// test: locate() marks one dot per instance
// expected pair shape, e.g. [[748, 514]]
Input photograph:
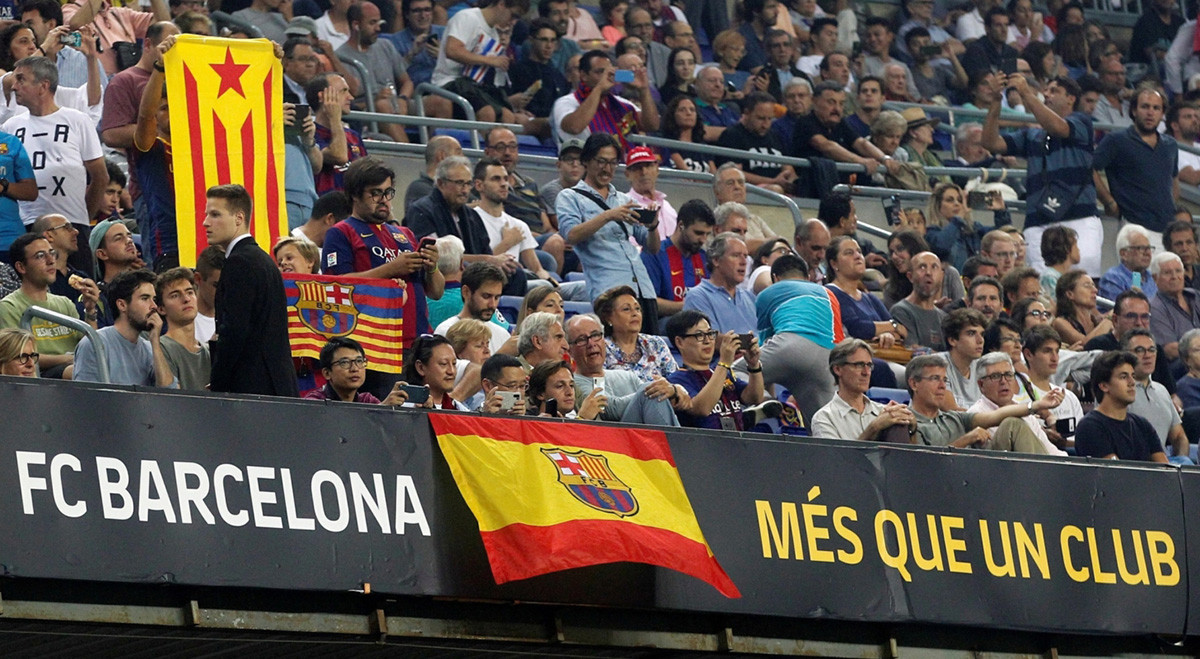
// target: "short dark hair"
[[879, 20], [994, 12], [123, 285], [834, 206], [827, 86], [959, 320], [481, 272], [1039, 335], [983, 280], [789, 264], [481, 167], [1012, 281], [115, 175], [236, 197], [1090, 83], [1103, 367], [406, 5], [1174, 227], [314, 87], [915, 32], [1127, 337], [821, 23], [751, 8], [865, 79], [421, 351], [597, 141], [622, 46], [1056, 244], [334, 202], [1125, 296], [1070, 86], [47, 9], [16, 251], [544, 8], [971, 267], [363, 173], [289, 46], [991, 335], [585, 62], [755, 99], [210, 260], [683, 321], [325, 360], [495, 365], [170, 277], [540, 24], [693, 211]]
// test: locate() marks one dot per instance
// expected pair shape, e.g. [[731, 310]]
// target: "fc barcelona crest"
[[327, 308], [589, 479]]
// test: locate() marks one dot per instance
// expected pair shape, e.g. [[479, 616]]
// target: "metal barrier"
[[969, 113], [422, 121], [75, 324], [884, 193], [430, 88], [368, 87]]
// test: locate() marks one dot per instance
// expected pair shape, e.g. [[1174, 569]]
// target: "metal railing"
[[885, 193], [425, 122], [430, 88], [75, 324], [951, 111]]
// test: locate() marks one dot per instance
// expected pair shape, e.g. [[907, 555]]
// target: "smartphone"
[[1065, 427], [508, 399], [551, 407], [647, 216], [74, 39], [426, 242], [895, 214], [302, 112], [730, 87], [745, 340], [979, 200], [1008, 65], [598, 383], [624, 75], [931, 50], [417, 393], [433, 39]]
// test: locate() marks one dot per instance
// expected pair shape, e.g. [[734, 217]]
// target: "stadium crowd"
[[956, 333]]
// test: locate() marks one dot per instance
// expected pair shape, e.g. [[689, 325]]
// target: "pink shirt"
[[666, 213], [113, 24]]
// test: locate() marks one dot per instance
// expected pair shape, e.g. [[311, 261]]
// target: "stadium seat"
[[884, 395], [572, 308], [576, 276], [510, 307], [463, 136]]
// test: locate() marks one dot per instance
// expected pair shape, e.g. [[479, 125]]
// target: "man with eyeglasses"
[[344, 365], [999, 247], [998, 385], [730, 185], [1176, 308], [1135, 251], [558, 13], [780, 69], [927, 383], [1110, 431], [1152, 401], [1132, 310], [629, 400], [850, 414], [418, 42], [639, 23], [503, 373], [34, 260]]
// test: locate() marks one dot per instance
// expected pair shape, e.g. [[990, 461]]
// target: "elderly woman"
[[887, 131], [728, 50], [1078, 320], [628, 348], [1189, 384], [471, 340], [950, 231], [431, 361], [718, 396], [18, 353], [1060, 252], [1173, 309], [295, 255], [553, 381]]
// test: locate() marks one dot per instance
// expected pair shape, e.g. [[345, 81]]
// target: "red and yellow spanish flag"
[[226, 106], [546, 503], [370, 311]]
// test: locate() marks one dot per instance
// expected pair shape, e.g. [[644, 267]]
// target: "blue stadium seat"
[[572, 308], [576, 276], [463, 136], [510, 307], [885, 395]]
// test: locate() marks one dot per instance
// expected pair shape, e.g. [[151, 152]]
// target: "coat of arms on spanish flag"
[[546, 502], [226, 106]]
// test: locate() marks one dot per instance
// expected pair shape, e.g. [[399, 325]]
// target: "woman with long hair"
[[949, 228], [1078, 320], [863, 315], [682, 122], [542, 298], [681, 74]]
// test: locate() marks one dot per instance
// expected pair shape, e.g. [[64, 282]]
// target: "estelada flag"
[[370, 311], [546, 502], [226, 106]]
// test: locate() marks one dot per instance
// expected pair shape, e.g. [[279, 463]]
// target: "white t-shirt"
[[58, 145], [499, 334], [205, 327], [479, 38], [327, 32], [495, 227], [1188, 159], [970, 26], [1069, 408]]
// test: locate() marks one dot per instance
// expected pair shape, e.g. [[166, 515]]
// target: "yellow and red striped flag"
[[226, 106], [370, 311], [546, 503]]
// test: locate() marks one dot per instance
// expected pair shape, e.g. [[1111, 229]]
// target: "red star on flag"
[[231, 75]]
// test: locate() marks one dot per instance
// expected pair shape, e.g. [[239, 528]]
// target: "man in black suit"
[[251, 353]]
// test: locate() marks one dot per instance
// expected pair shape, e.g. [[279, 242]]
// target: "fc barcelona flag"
[[370, 311], [226, 127], [547, 499]]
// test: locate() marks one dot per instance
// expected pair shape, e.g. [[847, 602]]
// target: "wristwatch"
[[4, 183]]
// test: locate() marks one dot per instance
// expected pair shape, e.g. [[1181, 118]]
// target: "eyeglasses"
[[1011, 339], [1141, 248], [503, 147], [306, 58], [380, 195], [703, 337], [1151, 350], [1144, 317], [346, 362], [584, 340], [463, 183], [932, 378], [862, 366], [1006, 376], [26, 357], [44, 254], [605, 162], [569, 160], [545, 39], [64, 225], [1038, 314]]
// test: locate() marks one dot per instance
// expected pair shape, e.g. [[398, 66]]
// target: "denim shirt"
[[608, 258], [420, 69]]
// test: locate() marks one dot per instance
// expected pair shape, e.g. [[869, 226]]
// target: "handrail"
[[865, 191], [226, 19], [804, 163], [75, 324], [364, 77], [430, 88], [1018, 117], [412, 120]]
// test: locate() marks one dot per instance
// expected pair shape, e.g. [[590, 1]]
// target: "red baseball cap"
[[640, 156]]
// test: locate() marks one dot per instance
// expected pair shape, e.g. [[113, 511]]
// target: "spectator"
[[835, 68], [710, 92], [797, 99], [1112, 107], [417, 44], [329, 97], [730, 186], [799, 325], [61, 233], [918, 139], [449, 263], [629, 347], [886, 132], [597, 221], [537, 68], [1173, 310], [1183, 124], [472, 62], [63, 147], [640, 25], [432, 363], [1026, 25], [901, 247], [333, 26], [878, 46], [963, 329], [437, 149], [779, 71], [896, 81], [680, 77], [542, 339], [471, 339], [570, 172], [481, 286], [870, 104], [984, 296], [583, 29], [508, 237], [1154, 31], [826, 134], [391, 84], [1077, 320], [1180, 239], [752, 134], [15, 161], [641, 170], [972, 25], [953, 234], [300, 65], [1189, 384], [1020, 284], [863, 315], [329, 209], [1153, 402], [252, 353], [758, 18], [764, 257], [718, 395], [1135, 251], [558, 13], [502, 373], [593, 107], [1132, 310], [1111, 431], [1060, 253], [920, 14], [720, 297], [188, 359], [131, 359], [1061, 175], [729, 48], [1144, 183], [850, 414], [629, 400], [42, 17], [269, 16], [207, 274], [344, 365], [542, 298], [811, 240], [934, 75], [115, 250], [34, 260], [682, 122], [918, 312], [991, 50], [926, 380], [1030, 312], [553, 381], [823, 38], [998, 384], [970, 152], [113, 24], [18, 353], [1041, 352]]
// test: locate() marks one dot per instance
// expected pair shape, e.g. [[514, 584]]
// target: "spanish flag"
[[546, 503], [226, 106], [370, 311]]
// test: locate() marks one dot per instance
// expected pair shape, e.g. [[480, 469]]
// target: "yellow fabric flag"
[[226, 104]]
